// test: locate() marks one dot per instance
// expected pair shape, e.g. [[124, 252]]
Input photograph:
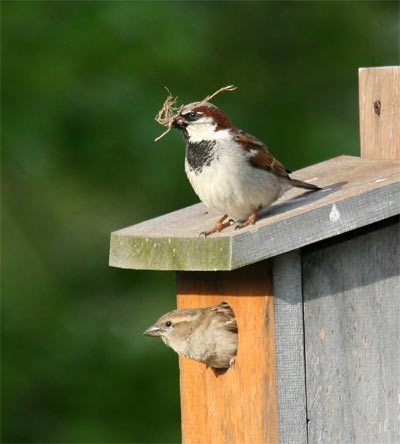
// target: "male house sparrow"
[[229, 169], [208, 335]]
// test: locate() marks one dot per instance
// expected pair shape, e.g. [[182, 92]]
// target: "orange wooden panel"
[[239, 405]]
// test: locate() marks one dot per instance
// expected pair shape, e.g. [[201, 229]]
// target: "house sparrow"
[[229, 169], [208, 335]]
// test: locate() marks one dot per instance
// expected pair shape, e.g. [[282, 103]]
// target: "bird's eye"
[[192, 115], [168, 324]]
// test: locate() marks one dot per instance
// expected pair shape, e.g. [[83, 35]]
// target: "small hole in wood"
[[377, 107]]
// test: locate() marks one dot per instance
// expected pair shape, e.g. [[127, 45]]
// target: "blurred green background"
[[81, 84]]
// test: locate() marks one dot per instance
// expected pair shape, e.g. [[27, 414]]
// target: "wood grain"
[[379, 96], [356, 192], [352, 336], [289, 339], [240, 405]]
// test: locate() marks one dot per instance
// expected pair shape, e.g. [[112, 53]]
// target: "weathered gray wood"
[[356, 192], [289, 337], [352, 336]]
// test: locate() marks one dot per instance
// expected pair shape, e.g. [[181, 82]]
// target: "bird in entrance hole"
[[208, 335]]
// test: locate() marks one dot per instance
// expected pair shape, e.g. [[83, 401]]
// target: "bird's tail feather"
[[300, 184]]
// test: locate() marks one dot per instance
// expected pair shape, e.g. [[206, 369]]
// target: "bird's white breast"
[[230, 184]]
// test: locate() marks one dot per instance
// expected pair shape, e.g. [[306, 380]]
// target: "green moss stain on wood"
[[166, 253]]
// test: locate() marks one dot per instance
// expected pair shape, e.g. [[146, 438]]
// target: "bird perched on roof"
[[230, 170], [208, 335]]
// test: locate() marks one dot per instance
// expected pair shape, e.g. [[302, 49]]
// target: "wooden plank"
[[352, 336], [239, 406], [379, 96], [357, 192], [289, 339]]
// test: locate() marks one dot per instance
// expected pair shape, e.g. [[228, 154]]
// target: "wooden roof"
[[356, 192]]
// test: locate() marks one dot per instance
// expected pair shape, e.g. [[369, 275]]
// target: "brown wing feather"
[[225, 312], [263, 158]]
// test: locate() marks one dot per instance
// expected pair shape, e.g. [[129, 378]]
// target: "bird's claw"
[[250, 221], [219, 226], [246, 224]]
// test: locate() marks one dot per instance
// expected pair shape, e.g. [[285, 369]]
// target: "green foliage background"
[[81, 83]]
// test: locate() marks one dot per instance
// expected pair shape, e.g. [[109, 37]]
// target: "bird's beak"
[[179, 122], [153, 331]]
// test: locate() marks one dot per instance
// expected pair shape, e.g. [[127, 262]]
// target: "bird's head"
[[201, 122], [175, 327]]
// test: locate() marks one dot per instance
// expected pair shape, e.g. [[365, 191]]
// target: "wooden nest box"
[[315, 288]]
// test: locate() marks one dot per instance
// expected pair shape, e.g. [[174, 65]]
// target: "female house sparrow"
[[208, 335], [229, 169]]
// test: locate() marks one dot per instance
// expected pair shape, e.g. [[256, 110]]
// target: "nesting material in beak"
[[169, 113]]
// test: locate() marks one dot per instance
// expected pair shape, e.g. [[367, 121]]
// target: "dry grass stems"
[[169, 112]]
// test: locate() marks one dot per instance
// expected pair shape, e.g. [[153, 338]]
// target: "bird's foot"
[[232, 361], [250, 221], [219, 226]]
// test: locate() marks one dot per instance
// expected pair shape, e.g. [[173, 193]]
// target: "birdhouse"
[[315, 288]]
